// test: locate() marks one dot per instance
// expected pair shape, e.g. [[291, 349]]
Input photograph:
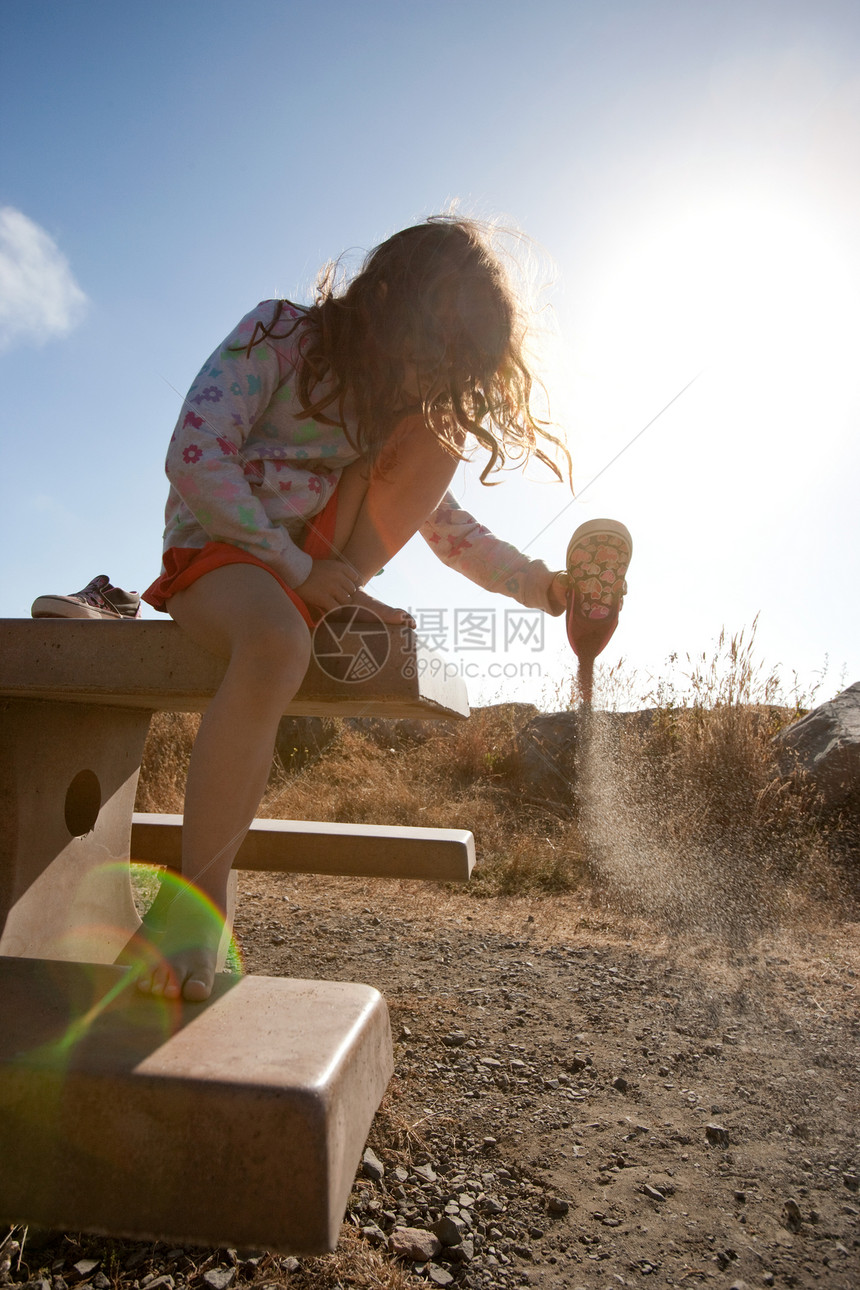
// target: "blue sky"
[[690, 174]]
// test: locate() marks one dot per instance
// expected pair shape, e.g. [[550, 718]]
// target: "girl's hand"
[[329, 584]]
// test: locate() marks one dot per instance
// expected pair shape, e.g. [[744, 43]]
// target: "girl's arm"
[[463, 544], [205, 465]]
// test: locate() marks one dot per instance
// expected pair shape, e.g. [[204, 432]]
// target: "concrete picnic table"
[[110, 1102]]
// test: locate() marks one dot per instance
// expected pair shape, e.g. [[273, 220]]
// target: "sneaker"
[[99, 599], [597, 560]]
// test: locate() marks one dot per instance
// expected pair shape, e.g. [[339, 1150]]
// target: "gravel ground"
[[578, 1101]]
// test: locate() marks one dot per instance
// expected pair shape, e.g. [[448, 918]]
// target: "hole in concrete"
[[83, 802]]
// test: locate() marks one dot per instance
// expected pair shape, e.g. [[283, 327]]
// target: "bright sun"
[[759, 296]]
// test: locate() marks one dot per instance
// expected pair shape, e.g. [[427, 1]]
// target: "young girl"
[[313, 444]]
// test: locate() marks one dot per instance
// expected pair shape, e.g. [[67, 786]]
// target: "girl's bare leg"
[[241, 613], [381, 508]]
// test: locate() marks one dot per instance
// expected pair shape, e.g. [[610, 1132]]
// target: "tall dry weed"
[[164, 765], [686, 817]]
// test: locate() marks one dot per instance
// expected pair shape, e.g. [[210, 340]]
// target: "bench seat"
[[302, 846], [238, 1122]]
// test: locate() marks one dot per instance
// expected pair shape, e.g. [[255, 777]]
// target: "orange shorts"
[[183, 565]]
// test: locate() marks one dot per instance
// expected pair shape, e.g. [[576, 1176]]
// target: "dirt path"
[[611, 1104], [557, 1071]]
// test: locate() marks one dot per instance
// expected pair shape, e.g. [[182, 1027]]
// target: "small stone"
[[439, 1276], [164, 1282], [490, 1205], [426, 1172], [455, 1039], [851, 1181], [489, 1143], [374, 1234], [101, 1282], [791, 1216], [717, 1135], [462, 1253], [621, 1084], [291, 1265], [85, 1266], [450, 1230], [738, 1285], [414, 1243], [653, 1193], [371, 1166], [219, 1278], [557, 1205]]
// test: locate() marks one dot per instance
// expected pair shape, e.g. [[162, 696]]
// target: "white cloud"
[[39, 297]]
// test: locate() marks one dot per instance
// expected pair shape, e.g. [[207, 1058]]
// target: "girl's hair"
[[431, 309]]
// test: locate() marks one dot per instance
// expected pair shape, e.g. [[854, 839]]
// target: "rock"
[[491, 1205], [85, 1266], [371, 1166], [791, 1216], [543, 762], [556, 1205], [439, 1276], [825, 745], [654, 1193], [219, 1278], [462, 1253], [414, 1243], [456, 1039], [717, 1135], [302, 740], [426, 1172], [621, 1084], [851, 1181], [450, 1230], [291, 1265], [164, 1282], [374, 1234]]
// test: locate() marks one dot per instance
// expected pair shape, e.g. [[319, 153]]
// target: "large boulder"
[[543, 762], [825, 746]]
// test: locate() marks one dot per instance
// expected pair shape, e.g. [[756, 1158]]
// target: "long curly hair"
[[430, 323]]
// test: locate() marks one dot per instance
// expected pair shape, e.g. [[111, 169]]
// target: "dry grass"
[[356, 1264], [679, 815]]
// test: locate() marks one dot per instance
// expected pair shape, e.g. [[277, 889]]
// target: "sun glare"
[[757, 295]]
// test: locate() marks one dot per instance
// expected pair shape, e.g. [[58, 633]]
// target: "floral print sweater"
[[246, 467]]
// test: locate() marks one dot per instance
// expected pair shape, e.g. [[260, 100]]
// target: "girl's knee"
[[272, 656]]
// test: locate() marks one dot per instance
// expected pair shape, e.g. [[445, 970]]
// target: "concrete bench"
[[112, 1104], [235, 1123]]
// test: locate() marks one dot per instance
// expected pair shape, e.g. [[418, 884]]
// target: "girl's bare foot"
[[181, 939], [387, 613]]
